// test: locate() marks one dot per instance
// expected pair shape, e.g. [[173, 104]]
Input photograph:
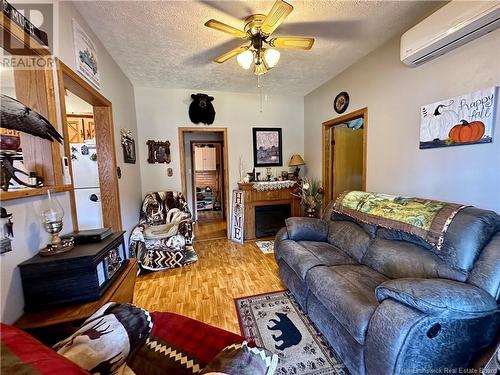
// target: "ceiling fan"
[[257, 31]]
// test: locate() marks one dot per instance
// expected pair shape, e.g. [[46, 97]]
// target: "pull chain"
[[259, 85]]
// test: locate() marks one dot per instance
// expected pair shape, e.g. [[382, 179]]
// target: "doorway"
[[89, 141], [207, 180], [84, 160], [344, 154], [203, 154]]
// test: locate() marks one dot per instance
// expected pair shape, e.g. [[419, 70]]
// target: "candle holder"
[[51, 214]]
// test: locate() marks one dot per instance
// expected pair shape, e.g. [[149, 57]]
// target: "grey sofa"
[[386, 303]]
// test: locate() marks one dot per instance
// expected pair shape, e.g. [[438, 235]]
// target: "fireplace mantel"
[[254, 197]]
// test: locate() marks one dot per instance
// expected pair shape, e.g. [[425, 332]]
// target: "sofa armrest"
[[306, 229], [282, 235], [436, 296]]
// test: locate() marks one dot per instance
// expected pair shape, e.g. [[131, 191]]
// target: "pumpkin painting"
[[462, 120], [467, 132], [438, 123]]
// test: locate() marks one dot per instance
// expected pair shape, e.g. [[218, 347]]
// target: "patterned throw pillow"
[[242, 360], [106, 339]]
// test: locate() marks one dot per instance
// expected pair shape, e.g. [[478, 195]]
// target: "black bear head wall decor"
[[201, 109]]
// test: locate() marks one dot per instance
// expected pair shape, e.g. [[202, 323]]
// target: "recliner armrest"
[[306, 229], [436, 296]]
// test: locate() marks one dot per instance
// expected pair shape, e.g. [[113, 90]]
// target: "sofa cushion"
[[306, 228], [438, 296], [241, 359], [350, 237], [304, 255], [396, 235], [486, 271], [470, 230], [348, 293], [194, 343], [327, 253], [107, 338], [397, 259]]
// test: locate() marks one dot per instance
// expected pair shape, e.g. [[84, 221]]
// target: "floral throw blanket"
[[426, 219]]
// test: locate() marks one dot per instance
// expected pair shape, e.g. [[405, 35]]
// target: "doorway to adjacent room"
[[84, 161], [89, 140], [203, 154], [344, 154]]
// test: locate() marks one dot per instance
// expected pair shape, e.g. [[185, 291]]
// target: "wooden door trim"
[[81, 88], [327, 148], [102, 107], [225, 153]]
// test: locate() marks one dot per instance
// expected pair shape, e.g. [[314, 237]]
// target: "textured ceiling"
[[164, 44]]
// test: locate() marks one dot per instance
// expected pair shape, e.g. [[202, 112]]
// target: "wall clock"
[[341, 102]]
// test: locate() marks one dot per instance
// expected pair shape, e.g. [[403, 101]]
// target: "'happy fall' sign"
[[465, 119]]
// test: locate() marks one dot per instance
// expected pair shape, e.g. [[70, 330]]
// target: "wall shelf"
[[31, 192], [35, 89]]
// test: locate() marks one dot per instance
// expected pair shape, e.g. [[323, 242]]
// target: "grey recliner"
[[388, 304]]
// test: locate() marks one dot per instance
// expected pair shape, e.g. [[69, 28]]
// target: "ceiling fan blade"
[[331, 30], [228, 55], [217, 25], [235, 9], [292, 42], [280, 10]]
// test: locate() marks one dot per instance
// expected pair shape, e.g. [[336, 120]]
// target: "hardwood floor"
[[206, 289], [204, 216], [210, 230]]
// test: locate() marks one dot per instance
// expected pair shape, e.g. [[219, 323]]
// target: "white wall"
[[29, 236], [394, 94], [160, 112], [76, 105]]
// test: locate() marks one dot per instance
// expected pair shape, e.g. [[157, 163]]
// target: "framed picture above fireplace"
[[267, 147]]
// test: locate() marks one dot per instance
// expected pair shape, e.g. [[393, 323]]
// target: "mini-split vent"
[[449, 27]]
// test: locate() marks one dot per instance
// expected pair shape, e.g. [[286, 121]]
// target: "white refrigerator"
[[86, 183]]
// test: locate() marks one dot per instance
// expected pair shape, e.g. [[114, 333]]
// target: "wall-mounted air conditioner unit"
[[451, 26]]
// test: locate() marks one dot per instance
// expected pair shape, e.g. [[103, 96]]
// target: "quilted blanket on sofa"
[[427, 219]]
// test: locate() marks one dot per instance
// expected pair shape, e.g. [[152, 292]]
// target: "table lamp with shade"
[[296, 161]]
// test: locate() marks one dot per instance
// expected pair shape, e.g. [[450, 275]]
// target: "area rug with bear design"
[[276, 322]]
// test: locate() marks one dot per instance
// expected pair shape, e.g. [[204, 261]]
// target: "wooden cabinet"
[[75, 130], [89, 128], [80, 128], [205, 158]]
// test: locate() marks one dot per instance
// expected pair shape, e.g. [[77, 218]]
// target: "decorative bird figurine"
[[16, 116]]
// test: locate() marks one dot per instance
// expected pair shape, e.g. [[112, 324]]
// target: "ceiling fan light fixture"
[[271, 57], [245, 59], [260, 69]]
